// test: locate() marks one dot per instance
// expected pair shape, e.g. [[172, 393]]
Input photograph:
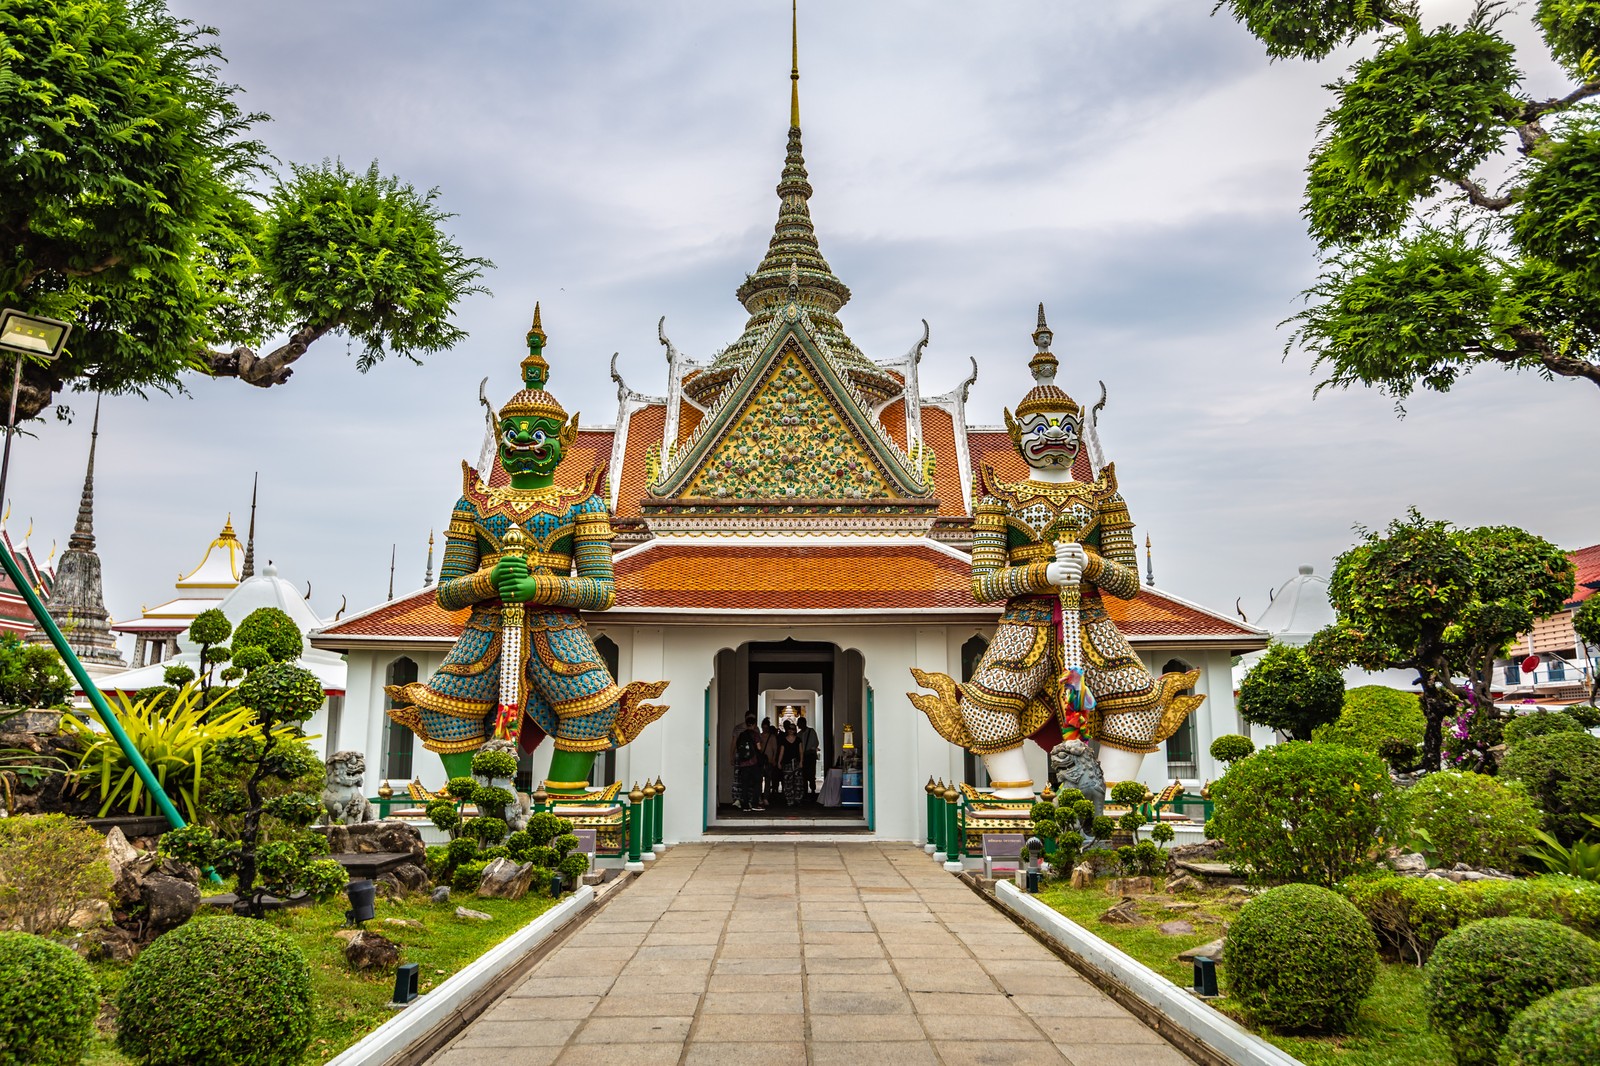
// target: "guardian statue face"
[[530, 444], [1048, 439]]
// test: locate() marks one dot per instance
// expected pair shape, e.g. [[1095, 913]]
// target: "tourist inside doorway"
[[810, 748], [748, 765]]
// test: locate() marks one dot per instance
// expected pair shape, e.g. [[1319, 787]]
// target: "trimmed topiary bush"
[[271, 630], [1303, 812], [224, 991], [48, 1002], [1301, 957], [1231, 747], [1561, 772], [1540, 724], [1484, 974], [1374, 714], [1472, 818], [1559, 1030]]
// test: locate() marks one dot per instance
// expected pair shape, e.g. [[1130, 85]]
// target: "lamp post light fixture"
[[26, 335], [1035, 848]]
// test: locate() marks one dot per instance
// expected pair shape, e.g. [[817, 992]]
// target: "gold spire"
[[794, 67], [535, 370]]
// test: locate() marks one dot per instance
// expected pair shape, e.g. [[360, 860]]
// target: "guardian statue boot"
[[1049, 547], [527, 558]]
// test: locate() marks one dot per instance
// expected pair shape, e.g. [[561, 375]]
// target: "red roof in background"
[[994, 447], [939, 431], [1587, 563], [645, 427]]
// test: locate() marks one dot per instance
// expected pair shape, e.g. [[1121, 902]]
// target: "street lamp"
[[23, 335]]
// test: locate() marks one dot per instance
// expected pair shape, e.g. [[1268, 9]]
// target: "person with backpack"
[[747, 765]]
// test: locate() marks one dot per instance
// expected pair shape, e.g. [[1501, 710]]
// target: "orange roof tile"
[[645, 427], [938, 430], [1587, 562], [994, 447], [893, 420], [592, 446], [689, 418], [417, 616]]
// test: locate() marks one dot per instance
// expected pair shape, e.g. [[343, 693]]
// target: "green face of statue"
[[530, 448]]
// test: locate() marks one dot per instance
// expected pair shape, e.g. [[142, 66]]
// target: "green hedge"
[[1561, 772], [1301, 957], [1472, 818], [1540, 724], [1559, 1030], [1484, 974], [48, 1002], [1412, 914], [1373, 714], [222, 991]]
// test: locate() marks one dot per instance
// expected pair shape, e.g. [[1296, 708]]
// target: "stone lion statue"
[[1073, 765], [343, 796]]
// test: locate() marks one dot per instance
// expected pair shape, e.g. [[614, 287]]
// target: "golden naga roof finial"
[[535, 361], [794, 63]]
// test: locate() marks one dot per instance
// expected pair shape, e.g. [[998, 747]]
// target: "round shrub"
[[1374, 714], [1231, 747], [494, 763], [1559, 1030], [1472, 818], [1301, 957], [1303, 812], [271, 630], [210, 627], [1540, 724], [224, 991], [287, 692], [48, 1002], [1485, 973], [573, 867], [1561, 772], [1584, 714]]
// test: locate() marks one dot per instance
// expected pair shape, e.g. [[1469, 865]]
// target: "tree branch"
[[264, 371], [1534, 108], [1533, 343], [1479, 196], [105, 264]]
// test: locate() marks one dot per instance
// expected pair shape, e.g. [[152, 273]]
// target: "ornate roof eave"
[[796, 322]]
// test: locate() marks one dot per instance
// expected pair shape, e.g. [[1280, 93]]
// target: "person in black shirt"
[[747, 765], [791, 760]]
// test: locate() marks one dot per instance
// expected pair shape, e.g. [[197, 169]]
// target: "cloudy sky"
[[1136, 166]]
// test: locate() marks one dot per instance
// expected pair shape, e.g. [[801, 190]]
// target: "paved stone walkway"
[[777, 954]]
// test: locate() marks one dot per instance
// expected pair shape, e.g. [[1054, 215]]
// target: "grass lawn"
[[350, 1005], [1391, 1030]]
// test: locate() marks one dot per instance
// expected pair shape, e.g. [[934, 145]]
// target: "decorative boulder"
[[505, 879], [371, 951], [168, 902], [412, 878], [387, 837]]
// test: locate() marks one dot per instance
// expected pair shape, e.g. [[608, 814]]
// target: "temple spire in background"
[[83, 533], [794, 67], [427, 577], [249, 568]]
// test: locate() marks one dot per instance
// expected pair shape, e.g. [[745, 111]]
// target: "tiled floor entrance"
[[864, 954]]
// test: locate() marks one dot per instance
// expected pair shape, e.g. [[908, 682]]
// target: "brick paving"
[[864, 954]]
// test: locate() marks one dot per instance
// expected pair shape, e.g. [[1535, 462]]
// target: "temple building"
[[156, 630], [15, 617], [76, 599], [793, 527]]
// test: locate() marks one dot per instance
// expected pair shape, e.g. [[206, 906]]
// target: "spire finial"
[[427, 577], [1149, 563], [535, 370], [82, 538], [1043, 364], [248, 570], [794, 64], [392, 549]]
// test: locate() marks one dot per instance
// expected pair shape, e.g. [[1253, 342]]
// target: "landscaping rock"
[[1181, 881], [1129, 886], [371, 951], [1124, 913], [119, 852], [1204, 851], [88, 915], [1409, 865], [1211, 951], [1174, 905], [168, 903], [346, 935], [1178, 928], [107, 943], [440, 894], [388, 886], [1082, 876], [181, 870], [386, 837], [404, 923], [468, 912], [412, 877], [505, 879]]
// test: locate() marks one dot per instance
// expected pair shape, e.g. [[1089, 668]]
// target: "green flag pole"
[[96, 698]]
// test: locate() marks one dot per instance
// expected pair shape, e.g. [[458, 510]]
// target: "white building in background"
[[156, 630]]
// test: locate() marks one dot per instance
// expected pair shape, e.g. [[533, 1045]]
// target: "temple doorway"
[[787, 681]]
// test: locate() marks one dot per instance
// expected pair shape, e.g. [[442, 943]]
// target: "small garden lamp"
[[1035, 849], [1205, 977], [405, 984], [363, 895], [26, 335]]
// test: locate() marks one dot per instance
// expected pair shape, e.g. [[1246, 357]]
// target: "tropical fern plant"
[[1582, 859]]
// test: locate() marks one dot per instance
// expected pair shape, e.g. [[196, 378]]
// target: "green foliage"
[[1584, 714], [494, 763], [1540, 724], [444, 815], [271, 630], [298, 809], [1102, 827], [484, 829], [1580, 859], [460, 850], [573, 867], [465, 878], [1129, 793], [461, 788], [173, 738], [1561, 772], [1162, 833], [1301, 957], [1042, 812], [1309, 29], [1289, 691], [48, 1002], [286, 692], [130, 193], [545, 827], [1412, 914], [1572, 30], [293, 768], [1130, 821], [31, 675], [210, 626], [1303, 812], [1147, 859], [250, 658], [1562, 1029], [1231, 747], [230, 674], [1471, 818], [492, 800], [1374, 714], [1485, 973], [178, 675], [50, 865], [224, 991]]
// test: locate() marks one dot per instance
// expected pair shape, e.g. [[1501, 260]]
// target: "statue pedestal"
[[633, 867]]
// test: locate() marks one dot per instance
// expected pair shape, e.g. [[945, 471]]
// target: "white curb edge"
[[399, 1032], [1209, 1026]]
